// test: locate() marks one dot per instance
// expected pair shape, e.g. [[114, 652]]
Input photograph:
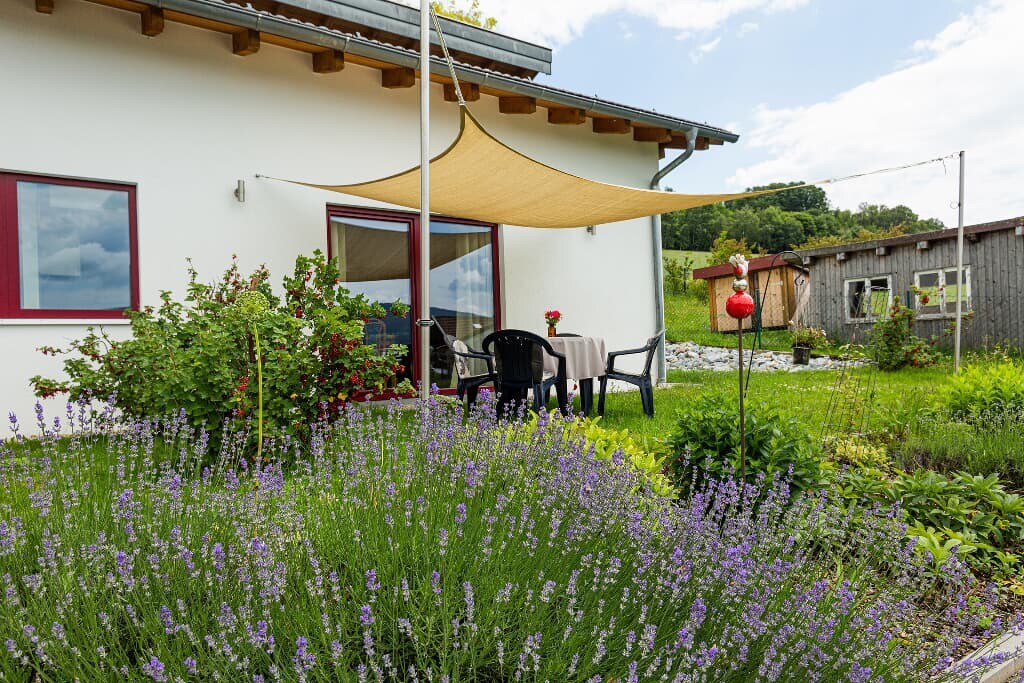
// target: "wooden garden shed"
[[782, 295]]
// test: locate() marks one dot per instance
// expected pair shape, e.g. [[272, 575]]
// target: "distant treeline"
[[787, 220]]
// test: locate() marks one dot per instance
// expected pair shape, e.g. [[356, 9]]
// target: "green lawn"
[[872, 397], [688, 318], [700, 258]]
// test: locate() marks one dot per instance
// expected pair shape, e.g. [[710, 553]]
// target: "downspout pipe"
[[656, 252]]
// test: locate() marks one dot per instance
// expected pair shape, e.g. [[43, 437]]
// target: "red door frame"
[[10, 291], [412, 219]]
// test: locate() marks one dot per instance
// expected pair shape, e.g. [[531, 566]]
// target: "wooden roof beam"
[[44, 6], [566, 115], [516, 104], [152, 19], [328, 61], [652, 135], [618, 126], [245, 42], [702, 143], [402, 77], [470, 92]]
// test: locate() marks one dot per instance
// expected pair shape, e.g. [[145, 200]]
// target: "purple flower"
[[365, 615], [372, 584]]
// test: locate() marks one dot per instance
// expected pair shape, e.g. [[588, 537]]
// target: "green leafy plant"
[[724, 246], [199, 355], [811, 337], [969, 514], [987, 388], [706, 440]]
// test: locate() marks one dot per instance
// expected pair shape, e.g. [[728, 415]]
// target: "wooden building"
[[855, 284], [781, 289]]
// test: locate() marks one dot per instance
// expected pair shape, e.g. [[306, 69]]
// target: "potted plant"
[[552, 318], [805, 339]]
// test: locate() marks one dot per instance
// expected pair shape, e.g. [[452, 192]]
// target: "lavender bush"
[[422, 546]]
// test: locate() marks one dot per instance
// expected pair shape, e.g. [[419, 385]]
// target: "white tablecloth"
[[585, 357]]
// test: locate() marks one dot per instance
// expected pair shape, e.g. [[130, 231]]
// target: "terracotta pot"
[[551, 330], [801, 355]]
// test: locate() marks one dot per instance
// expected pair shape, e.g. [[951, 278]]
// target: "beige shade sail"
[[479, 177]]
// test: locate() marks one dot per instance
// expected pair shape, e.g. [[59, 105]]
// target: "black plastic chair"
[[467, 383], [643, 380], [519, 367]]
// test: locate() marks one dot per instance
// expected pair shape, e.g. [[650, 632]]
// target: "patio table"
[[585, 359]]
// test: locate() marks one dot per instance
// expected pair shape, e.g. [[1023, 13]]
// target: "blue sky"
[[815, 88]]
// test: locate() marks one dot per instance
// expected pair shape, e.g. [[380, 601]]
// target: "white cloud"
[[700, 51], [966, 93], [747, 27], [557, 22], [626, 31]]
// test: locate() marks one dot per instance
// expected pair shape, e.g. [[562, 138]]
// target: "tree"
[[470, 15], [810, 198]]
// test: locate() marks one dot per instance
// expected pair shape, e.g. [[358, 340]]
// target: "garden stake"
[[740, 306]]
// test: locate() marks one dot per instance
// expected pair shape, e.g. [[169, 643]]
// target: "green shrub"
[[972, 513], [987, 389], [707, 440], [199, 356], [676, 274], [894, 344]]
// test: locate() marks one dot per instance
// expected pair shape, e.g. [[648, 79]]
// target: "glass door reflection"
[[461, 294], [373, 257]]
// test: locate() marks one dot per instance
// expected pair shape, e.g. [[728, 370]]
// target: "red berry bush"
[[199, 355]]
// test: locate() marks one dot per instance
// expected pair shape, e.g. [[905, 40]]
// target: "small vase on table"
[[551, 330]]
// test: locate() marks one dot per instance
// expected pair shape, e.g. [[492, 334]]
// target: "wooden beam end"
[[152, 21], [516, 104], [245, 42], [44, 6], [566, 116], [652, 135], [612, 125], [470, 92], [402, 77], [328, 61]]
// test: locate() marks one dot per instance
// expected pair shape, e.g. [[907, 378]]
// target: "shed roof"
[[753, 265], [932, 236]]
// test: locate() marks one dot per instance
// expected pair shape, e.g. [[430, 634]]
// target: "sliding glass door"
[[375, 251]]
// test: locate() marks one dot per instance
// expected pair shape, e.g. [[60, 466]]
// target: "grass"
[[883, 396], [699, 258], [687, 318]]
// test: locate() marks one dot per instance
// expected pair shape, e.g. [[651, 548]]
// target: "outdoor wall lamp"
[[591, 229], [240, 191]]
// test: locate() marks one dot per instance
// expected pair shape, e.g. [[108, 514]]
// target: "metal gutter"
[[404, 21], [218, 10], [656, 251]]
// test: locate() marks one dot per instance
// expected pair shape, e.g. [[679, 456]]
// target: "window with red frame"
[[68, 248]]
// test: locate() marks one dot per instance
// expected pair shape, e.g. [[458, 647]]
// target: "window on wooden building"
[[868, 298], [936, 291], [67, 248]]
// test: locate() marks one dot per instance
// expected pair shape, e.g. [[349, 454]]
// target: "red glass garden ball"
[[740, 305]]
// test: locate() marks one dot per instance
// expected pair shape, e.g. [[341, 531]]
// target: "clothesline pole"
[[423, 321]]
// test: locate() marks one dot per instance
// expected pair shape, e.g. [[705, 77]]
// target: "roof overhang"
[[248, 26]]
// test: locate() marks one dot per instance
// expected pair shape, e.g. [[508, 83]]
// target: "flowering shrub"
[[615, 445], [202, 356], [439, 549], [894, 344], [811, 337]]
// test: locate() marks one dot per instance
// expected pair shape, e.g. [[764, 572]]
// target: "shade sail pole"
[[959, 269], [423, 319]]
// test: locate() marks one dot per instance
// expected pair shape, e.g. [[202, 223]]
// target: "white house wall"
[[84, 94]]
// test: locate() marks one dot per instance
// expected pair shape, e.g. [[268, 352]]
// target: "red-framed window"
[[68, 248], [377, 252]]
